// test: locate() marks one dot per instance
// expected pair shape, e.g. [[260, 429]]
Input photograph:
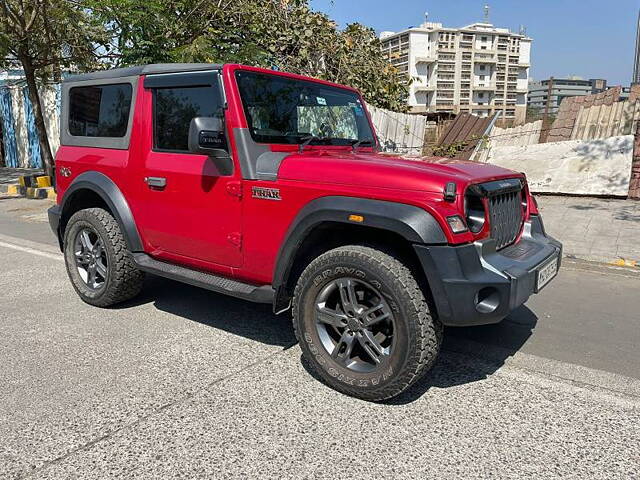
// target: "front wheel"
[[363, 323]]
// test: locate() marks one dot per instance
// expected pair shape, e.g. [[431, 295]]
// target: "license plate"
[[547, 272]]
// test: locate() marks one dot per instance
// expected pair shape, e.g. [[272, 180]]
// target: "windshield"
[[285, 110]]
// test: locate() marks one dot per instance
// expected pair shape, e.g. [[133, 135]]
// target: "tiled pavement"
[[595, 229]]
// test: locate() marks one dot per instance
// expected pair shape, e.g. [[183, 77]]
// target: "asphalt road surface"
[[184, 383]]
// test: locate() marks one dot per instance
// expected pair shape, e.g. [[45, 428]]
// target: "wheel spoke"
[[348, 295], [91, 275], [330, 317], [373, 348], [98, 248], [101, 269], [342, 350], [375, 314], [86, 241]]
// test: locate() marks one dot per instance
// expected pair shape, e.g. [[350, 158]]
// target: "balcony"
[[424, 88], [486, 87], [425, 59], [485, 58]]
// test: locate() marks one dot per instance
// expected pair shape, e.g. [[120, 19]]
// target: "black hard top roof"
[[143, 70]]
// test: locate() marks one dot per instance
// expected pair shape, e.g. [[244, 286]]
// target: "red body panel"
[[199, 220]]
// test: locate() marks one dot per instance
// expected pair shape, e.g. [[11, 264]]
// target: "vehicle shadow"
[[468, 354], [471, 354], [250, 320]]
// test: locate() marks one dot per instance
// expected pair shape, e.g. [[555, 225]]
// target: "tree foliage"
[[43, 37], [286, 34], [46, 37]]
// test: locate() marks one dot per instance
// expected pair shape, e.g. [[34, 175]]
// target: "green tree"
[[287, 34], [44, 37]]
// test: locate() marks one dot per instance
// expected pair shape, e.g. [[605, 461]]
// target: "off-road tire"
[[124, 280], [420, 333]]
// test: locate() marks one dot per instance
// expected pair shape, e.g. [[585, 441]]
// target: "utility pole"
[[545, 118]]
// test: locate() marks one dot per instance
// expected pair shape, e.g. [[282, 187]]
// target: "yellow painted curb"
[[621, 262], [13, 190], [44, 181], [22, 181], [40, 193]]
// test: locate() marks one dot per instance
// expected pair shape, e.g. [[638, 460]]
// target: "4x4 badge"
[[266, 193]]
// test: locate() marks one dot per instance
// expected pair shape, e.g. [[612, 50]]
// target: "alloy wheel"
[[91, 258], [355, 324]]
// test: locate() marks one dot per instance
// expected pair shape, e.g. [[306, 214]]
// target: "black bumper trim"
[[54, 214], [457, 274]]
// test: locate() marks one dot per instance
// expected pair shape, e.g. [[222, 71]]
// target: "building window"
[[99, 111], [482, 68], [174, 108]]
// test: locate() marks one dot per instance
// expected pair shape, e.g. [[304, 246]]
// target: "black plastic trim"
[[54, 213], [113, 197], [456, 275], [142, 70], [248, 152], [268, 164], [496, 187], [204, 78], [209, 281], [413, 223]]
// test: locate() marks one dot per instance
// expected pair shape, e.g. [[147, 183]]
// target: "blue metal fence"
[[8, 129], [35, 158]]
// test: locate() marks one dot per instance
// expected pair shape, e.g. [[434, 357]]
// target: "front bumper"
[[477, 285]]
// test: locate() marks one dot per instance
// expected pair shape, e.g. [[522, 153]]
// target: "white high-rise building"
[[479, 69]]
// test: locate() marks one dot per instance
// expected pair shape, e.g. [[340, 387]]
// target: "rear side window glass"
[[174, 108], [100, 110]]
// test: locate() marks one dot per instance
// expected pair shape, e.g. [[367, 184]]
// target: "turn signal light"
[[456, 224]]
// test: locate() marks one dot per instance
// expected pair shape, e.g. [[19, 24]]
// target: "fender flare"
[[102, 185], [413, 223]]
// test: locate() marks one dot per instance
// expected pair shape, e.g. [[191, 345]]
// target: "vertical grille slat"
[[506, 216]]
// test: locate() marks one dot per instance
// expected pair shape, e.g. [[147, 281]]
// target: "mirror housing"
[[207, 137]]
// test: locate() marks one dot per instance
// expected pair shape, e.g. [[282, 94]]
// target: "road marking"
[[32, 251]]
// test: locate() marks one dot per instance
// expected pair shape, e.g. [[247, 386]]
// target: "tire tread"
[[428, 329]]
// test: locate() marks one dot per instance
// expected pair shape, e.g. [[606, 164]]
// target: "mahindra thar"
[[270, 187]]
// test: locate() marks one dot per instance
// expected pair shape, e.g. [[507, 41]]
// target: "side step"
[[246, 291]]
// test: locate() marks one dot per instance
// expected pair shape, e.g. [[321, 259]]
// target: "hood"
[[426, 174]]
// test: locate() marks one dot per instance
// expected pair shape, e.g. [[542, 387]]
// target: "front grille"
[[505, 217]]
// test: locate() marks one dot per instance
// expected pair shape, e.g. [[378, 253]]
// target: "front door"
[[190, 211]]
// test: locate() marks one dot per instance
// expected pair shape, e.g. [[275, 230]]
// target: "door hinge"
[[235, 238], [234, 189]]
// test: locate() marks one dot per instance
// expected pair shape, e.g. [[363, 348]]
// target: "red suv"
[[269, 187]]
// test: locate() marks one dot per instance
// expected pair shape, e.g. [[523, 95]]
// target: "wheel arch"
[[94, 189], [325, 223]]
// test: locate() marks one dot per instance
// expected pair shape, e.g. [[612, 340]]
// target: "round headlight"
[[474, 213]]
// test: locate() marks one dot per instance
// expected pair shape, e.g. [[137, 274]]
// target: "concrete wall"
[[583, 167]]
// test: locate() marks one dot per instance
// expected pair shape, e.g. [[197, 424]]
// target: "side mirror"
[[206, 137]]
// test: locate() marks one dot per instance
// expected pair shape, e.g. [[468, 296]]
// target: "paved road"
[[186, 383]]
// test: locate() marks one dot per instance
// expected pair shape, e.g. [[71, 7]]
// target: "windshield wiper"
[[356, 143], [306, 140]]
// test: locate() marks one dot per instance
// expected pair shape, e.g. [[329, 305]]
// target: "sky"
[[587, 38]]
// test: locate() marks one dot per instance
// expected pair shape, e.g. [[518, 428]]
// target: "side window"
[[100, 110], [173, 110]]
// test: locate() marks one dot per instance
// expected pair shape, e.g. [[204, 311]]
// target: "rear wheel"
[[97, 261], [363, 323]]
